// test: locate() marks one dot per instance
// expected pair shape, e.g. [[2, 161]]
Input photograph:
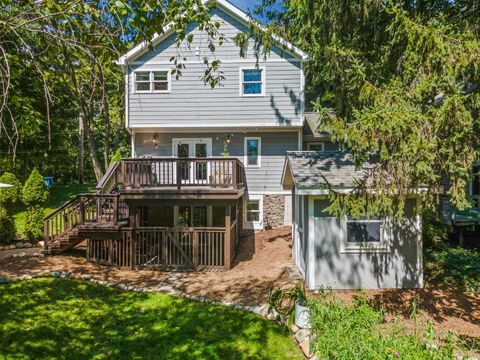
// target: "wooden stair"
[[69, 225]]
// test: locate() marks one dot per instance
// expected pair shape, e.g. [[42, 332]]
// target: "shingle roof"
[[314, 169]]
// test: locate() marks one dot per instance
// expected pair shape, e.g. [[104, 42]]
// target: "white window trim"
[[245, 154], [264, 80], [152, 91], [191, 141], [315, 143], [255, 225], [364, 248]]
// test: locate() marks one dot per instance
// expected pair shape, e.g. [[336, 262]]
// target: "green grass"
[[59, 194], [453, 266], [359, 332], [68, 319]]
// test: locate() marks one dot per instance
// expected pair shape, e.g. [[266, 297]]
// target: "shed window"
[[364, 231], [252, 82], [157, 81]]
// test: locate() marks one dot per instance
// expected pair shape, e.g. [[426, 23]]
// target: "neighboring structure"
[[347, 253]]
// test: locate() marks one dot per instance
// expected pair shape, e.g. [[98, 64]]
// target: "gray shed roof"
[[315, 169]]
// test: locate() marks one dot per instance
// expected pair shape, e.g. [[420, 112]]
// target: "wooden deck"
[[108, 219]]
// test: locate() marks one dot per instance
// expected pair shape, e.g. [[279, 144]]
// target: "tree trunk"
[[81, 142]]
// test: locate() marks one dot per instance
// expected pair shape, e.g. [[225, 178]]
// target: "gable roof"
[[223, 5], [320, 170]]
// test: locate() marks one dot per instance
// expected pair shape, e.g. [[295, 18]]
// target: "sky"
[[248, 5]]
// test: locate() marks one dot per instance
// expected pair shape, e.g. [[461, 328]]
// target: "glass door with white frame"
[[193, 171]]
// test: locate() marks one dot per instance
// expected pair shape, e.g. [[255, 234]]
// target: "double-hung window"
[[254, 212], [156, 81], [252, 82], [365, 234], [252, 151]]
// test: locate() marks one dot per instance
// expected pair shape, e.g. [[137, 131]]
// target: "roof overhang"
[[169, 29]]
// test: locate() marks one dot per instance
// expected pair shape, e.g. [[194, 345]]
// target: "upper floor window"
[[252, 151], [252, 82], [157, 81]]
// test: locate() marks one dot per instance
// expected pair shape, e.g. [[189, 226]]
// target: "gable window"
[[252, 151], [156, 81], [365, 234], [252, 82], [316, 146]]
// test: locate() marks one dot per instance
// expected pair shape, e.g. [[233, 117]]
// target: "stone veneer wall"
[[273, 210]]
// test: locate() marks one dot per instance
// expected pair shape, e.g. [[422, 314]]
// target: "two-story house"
[[209, 163], [206, 162]]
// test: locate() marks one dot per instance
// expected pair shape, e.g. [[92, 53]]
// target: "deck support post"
[[228, 259], [115, 210]]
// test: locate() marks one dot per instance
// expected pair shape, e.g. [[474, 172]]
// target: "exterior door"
[[193, 171]]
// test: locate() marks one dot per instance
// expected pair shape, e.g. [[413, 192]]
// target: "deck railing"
[[82, 210], [164, 249], [182, 172]]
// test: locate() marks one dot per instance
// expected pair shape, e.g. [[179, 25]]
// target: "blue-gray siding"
[[398, 267], [192, 103], [263, 179]]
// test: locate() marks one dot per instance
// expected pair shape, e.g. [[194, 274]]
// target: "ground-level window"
[[252, 151], [218, 216], [316, 146], [254, 212], [160, 216]]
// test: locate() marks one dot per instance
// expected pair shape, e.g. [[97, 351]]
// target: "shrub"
[[358, 332], [435, 233], [34, 222], [10, 195], [34, 191], [7, 227]]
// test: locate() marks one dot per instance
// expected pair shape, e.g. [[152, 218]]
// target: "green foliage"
[[11, 195], [457, 267], [397, 79], [435, 233], [34, 191], [67, 319], [7, 227], [116, 157], [282, 299], [355, 332], [34, 222]]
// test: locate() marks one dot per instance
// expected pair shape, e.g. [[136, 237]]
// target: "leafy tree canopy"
[[396, 78]]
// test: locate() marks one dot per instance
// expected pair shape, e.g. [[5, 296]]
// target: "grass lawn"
[[59, 194], [68, 319]]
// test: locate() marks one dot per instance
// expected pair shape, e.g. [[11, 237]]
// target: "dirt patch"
[[447, 308], [259, 265]]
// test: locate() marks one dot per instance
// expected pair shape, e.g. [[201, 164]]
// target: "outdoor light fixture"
[[228, 138], [155, 141]]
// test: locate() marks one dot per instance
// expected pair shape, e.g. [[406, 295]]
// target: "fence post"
[[234, 181], [115, 210], [164, 249], [228, 259], [195, 250], [110, 252], [82, 210], [132, 249], [179, 175], [88, 249], [46, 236]]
